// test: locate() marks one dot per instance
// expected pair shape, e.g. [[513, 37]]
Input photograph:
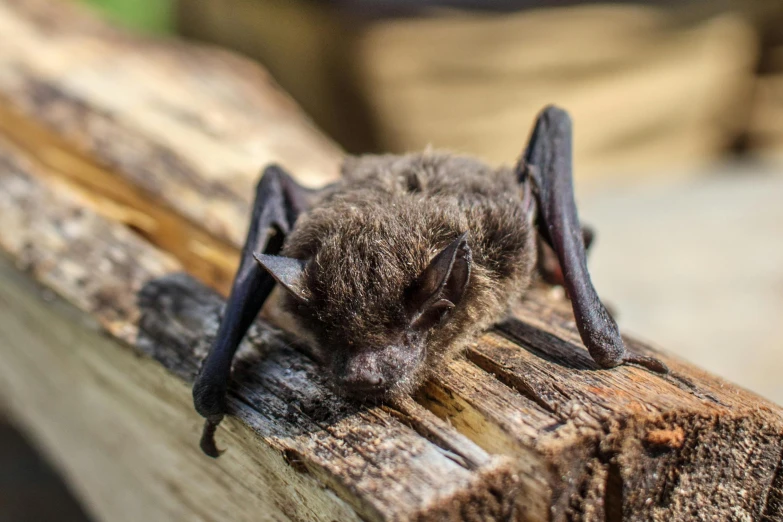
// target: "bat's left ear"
[[286, 271], [441, 285]]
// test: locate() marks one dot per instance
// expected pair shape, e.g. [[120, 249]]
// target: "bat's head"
[[380, 308]]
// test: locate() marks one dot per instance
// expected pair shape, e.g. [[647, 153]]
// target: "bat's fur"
[[405, 260], [369, 238]]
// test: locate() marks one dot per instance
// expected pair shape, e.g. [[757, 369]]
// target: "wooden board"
[[111, 273], [523, 427], [152, 125]]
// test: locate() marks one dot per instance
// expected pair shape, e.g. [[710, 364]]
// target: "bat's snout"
[[362, 375], [369, 384], [371, 373]]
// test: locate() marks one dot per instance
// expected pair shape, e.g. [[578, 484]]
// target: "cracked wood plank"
[[524, 426], [353, 459]]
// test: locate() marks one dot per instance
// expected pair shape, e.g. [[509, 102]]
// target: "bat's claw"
[[651, 363], [207, 442]]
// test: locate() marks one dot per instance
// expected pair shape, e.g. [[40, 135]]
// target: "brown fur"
[[368, 238]]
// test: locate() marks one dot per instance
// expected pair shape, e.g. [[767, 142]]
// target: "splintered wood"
[[126, 168]]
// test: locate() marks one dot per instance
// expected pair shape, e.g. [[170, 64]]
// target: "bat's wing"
[[279, 201], [547, 163]]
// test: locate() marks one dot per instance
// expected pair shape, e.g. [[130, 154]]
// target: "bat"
[[399, 265]]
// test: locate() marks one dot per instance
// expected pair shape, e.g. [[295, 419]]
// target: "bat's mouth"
[[371, 387], [365, 392]]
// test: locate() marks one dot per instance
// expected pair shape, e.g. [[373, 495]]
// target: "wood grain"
[[120, 426], [358, 454], [523, 427], [187, 128]]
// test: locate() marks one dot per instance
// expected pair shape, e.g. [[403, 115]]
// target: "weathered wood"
[[152, 125], [524, 427], [121, 428], [104, 269]]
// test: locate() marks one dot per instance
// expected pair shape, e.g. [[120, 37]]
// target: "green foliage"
[[150, 16]]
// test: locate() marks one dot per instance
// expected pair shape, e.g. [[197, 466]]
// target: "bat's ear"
[[440, 287], [286, 271]]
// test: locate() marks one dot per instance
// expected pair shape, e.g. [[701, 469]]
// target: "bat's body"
[[407, 259], [369, 238]]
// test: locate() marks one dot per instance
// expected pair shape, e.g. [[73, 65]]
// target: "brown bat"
[[406, 260]]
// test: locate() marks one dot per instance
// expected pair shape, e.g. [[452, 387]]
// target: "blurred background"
[[650, 84], [678, 111]]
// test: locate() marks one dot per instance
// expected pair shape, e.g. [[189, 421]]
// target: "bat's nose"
[[362, 374], [364, 380]]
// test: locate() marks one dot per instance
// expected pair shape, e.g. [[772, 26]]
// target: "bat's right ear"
[[440, 287], [286, 271]]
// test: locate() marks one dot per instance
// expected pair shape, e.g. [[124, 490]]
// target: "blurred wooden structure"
[[124, 162], [643, 88], [765, 122], [650, 84]]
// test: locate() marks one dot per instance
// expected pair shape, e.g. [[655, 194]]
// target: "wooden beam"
[[524, 427], [126, 284], [121, 428], [151, 126]]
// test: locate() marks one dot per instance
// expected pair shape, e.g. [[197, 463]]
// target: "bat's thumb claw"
[[651, 363], [207, 442]]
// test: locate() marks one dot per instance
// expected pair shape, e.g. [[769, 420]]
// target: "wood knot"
[[671, 438]]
